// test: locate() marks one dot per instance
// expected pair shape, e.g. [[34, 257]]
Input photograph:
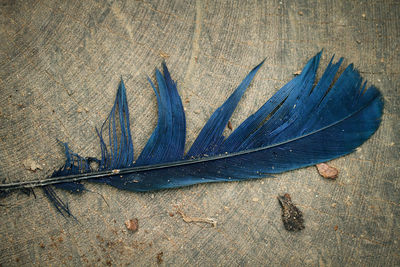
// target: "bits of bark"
[[327, 171], [132, 225], [292, 217]]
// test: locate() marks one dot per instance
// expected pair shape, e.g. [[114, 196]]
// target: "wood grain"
[[61, 62]]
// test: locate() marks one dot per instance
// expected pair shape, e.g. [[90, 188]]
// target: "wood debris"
[[188, 219]]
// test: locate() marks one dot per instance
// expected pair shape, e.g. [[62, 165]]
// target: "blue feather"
[[301, 125]]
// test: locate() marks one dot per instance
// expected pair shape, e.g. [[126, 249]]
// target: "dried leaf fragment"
[[327, 171], [132, 224], [292, 217]]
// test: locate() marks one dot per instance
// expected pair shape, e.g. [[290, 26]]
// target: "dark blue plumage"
[[301, 125]]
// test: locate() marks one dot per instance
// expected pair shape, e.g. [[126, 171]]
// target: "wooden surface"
[[61, 62]]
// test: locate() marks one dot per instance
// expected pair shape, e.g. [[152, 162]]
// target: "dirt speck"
[[101, 239], [327, 171], [159, 257], [132, 224], [292, 217], [41, 245], [108, 262], [230, 125]]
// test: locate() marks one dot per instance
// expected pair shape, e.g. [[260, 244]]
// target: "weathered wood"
[[60, 66]]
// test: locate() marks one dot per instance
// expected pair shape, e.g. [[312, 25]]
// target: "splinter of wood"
[[188, 219]]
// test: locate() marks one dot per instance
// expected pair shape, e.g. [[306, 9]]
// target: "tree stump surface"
[[61, 62]]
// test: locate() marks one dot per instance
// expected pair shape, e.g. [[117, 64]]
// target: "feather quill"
[[301, 125]]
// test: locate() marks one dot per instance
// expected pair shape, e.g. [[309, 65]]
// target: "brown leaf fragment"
[[132, 224], [327, 171], [292, 217]]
